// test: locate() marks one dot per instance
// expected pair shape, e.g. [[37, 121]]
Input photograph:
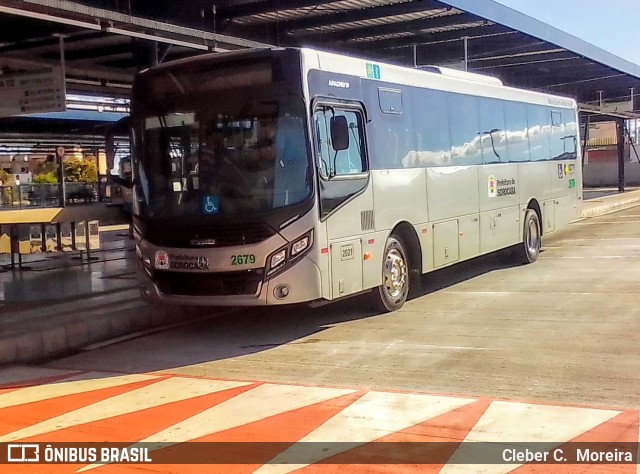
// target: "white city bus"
[[284, 175]]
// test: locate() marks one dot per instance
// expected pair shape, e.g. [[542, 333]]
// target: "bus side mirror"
[[339, 132]]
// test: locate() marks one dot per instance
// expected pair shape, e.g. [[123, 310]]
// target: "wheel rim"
[[533, 237], [395, 274]]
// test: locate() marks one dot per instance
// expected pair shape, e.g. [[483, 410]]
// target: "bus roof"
[[430, 76], [436, 77]]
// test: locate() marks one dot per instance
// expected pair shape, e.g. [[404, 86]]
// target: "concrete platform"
[[609, 203], [62, 304]]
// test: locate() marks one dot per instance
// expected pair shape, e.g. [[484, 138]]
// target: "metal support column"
[[62, 191], [585, 138], [466, 52], [620, 141]]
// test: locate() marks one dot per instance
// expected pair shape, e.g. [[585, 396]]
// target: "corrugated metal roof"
[[104, 54]]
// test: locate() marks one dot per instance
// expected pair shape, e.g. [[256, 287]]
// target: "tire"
[[529, 249], [393, 291]]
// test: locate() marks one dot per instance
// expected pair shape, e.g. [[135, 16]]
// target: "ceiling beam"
[[93, 72], [103, 60], [547, 60], [434, 39], [96, 52], [76, 42], [341, 36], [370, 13], [77, 14], [240, 9], [478, 50]]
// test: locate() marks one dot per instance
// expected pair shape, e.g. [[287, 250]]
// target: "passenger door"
[[346, 199]]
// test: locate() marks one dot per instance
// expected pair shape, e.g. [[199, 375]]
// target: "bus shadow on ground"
[[222, 335], [459, 272]]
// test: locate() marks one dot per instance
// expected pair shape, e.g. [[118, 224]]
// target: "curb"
[[609, 204], [114, 227], [43, 338]]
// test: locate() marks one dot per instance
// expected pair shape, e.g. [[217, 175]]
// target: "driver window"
[[342, 162]]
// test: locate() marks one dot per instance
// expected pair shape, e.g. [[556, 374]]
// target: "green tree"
[[45, 178], [80, 171], [45, 167]]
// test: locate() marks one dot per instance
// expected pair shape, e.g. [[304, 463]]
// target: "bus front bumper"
[[298, 284]]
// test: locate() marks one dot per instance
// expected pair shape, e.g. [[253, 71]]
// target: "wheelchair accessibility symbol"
[[210, 204]]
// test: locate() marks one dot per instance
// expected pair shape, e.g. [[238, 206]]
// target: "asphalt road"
[[563, 330]]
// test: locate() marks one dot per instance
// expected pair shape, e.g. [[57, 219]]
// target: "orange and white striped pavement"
[[341, 429]]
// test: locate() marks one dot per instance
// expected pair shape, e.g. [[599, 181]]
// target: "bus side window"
[[323, 147], [558, 144], [515, 114], [539, 131], [570, 139], [464, 125], [341, 162], [431, 120]]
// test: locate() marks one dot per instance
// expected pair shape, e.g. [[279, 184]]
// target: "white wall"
[[606, 174]]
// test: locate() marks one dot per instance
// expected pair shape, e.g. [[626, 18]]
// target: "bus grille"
[[209, 284], [223, 236]]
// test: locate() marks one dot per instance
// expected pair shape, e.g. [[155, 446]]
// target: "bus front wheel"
[[393, 291], [532, 241]]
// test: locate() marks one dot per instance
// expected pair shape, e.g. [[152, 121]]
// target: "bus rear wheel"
[[532, 240], [393, 291]]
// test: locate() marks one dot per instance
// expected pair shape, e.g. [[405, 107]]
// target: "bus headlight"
[[277, 259], [300, 246], [288, 254]]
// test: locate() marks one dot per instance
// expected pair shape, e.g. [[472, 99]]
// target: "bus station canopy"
[[106, 41]]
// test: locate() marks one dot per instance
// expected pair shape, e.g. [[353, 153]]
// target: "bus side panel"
[[535, 183], [566, 210], [345, 236], [566, 180], [399, 194], [500, 223], [567, 205], [346, 220], [469, 236], [452, 191], [346, 267]]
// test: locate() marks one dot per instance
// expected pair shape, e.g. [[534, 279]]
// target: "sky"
[[613, 25]]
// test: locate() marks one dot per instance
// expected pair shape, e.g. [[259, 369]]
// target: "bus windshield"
[[229, 148]]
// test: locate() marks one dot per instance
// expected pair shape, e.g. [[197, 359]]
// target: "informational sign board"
[[35, 237], [91, 228], [66, 240], [31, 92]]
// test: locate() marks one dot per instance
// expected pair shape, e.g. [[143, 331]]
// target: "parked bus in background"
[[283, 175]]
